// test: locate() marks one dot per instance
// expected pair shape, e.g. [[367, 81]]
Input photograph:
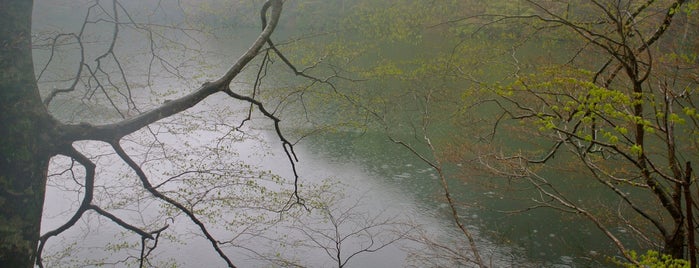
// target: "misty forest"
[[349, 133]]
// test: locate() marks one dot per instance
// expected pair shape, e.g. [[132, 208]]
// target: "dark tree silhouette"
[[31, 136]]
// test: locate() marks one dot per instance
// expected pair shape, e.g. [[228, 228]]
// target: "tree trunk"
[[24, 150], [674, 242]]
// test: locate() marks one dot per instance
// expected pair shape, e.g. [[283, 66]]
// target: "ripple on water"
[[567, 259]]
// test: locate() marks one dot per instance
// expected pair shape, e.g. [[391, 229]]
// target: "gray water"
[[380, 191], [375, 178]]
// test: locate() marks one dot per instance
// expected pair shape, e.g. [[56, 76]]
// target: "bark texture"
[[24, 131]]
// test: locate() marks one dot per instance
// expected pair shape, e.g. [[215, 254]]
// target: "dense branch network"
[[114, 133], [588, 116]]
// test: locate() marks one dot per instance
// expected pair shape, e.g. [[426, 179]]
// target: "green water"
[[541, 237], [494, 208]]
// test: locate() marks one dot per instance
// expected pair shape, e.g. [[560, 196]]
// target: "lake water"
[[387, 181], [403, 191], [379, 181]]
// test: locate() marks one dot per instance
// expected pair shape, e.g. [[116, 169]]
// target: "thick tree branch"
[[115, 131], [84, 205]]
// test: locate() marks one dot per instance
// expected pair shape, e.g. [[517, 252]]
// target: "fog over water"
[[355, 180]]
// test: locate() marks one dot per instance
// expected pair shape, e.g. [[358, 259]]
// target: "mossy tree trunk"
[[24, 139]]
